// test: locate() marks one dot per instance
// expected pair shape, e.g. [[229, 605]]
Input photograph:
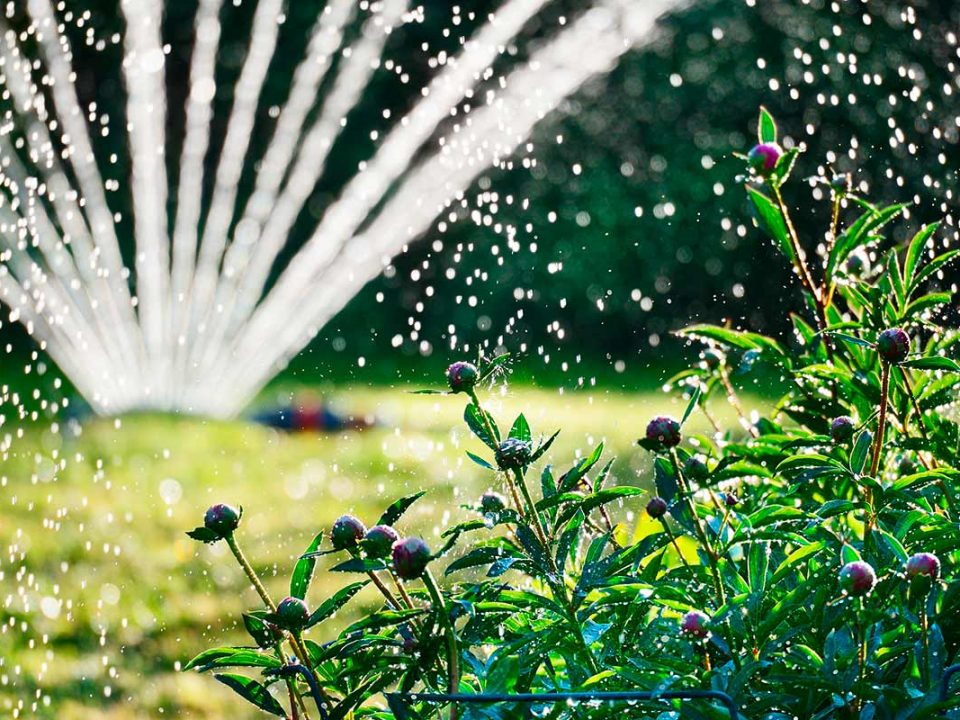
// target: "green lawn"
[[102, 594]]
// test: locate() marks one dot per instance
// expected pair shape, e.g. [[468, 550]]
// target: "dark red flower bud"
[[410, 558], [462, 376], [513, 454], [763, 158], [492, 503], [379, 540], [292, 614], [695, 623], [657, 507], [841, 429], [857, 578], [730, 500], [695, 468], [664, 431], [222, 519], [923, 565], [893, 345], [347, 531]]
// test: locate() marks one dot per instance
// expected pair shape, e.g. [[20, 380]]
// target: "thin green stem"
[[701, 532], [268, 601], [881, 418], [453, 653], [531, 507], [492, 434], [925, 643], [673, 540]]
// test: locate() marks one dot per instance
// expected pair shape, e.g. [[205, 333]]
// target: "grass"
[[102, 596]]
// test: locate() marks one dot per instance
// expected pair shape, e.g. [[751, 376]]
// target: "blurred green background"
[[633, 225]]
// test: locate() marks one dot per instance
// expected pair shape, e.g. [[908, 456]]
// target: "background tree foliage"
[[648, 225]]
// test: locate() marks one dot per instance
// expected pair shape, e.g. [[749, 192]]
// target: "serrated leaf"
[[253, 692], [398, 508]]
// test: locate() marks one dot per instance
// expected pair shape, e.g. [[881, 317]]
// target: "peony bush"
[[803, 564]]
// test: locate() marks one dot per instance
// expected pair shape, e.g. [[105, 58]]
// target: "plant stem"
[[861, 658], [453, 654], [882, 418], [877, 444], [250, 572], [673, 540], [735, 403], [491, 432], [531, 507], [925, 643], [268, 601], [701, 532]]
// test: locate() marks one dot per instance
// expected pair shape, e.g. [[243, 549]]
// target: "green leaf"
[[934, 362], [204, 535], [303, 570], [480, 461], [222, 657], [770, 220], [257, 628], [691, 406], [332, 604], [915, 250], [398, 508], [794, 559], [852, 339], [252, 692], [925, 302], [858, 456], [931, 267], [766, 127], [474, 417], [521, 429], [849, 554], [609, 495], [360, 565]]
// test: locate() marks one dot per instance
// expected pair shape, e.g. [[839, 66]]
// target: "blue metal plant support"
[[400, 702]]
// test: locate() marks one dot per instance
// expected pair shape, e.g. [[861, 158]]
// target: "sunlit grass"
[[98, 523]]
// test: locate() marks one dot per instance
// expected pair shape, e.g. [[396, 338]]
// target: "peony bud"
[[347, 531], [857, 578], [893, 345], [462, 376], [657, 507], [379, 540], [664, 432], [763, 158], [292, 614], [410, 558], [222, 519]]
